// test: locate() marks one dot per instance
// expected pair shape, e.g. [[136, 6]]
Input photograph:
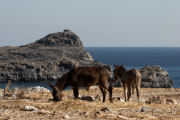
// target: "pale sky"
[[147, 23]]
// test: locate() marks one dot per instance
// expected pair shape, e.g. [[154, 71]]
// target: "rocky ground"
[[155, 104]]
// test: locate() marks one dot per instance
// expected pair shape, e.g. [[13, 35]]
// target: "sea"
[[168, 58]]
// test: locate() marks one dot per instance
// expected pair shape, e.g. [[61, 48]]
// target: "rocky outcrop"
[[44, 60], [155, 77], [152, 77]]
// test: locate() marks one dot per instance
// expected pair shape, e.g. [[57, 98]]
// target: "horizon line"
[[139, 46]]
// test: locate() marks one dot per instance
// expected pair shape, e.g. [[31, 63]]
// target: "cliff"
[[45, 59]]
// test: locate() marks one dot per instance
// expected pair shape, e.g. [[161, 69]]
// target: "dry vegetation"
[[68, 108]]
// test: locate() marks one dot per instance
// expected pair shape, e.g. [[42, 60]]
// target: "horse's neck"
[[124, 71], [62, 84], [124, 75]]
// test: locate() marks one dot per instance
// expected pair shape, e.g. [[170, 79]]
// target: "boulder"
[[171, 101], [30, 108], [38, 89], [155, 77], [145, 109]]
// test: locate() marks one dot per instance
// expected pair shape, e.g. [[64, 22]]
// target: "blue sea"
[[136, 57]]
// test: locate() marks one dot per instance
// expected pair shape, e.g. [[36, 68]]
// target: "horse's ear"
[[115, 66], [124, 65], [50, 85]]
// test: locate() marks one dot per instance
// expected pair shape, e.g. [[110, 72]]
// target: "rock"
[[53, 55], [88, 98], [171, 101], [38, 89], [97, 97], [155, 77], [123, 117], [97, 113], [145, 109], [2, 111], [119, 98], [105, 109], [67, 116], [14, 96], [155, 99], [30, 108], [43, 112], [85, 114]]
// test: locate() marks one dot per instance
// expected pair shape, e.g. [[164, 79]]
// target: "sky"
[[138, 23]]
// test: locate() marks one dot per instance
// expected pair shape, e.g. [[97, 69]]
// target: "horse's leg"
[[133, 87], [110, 93], [75, 91], [137, 91], [129, 91], [108, 86], [103, 92], [124, 87]]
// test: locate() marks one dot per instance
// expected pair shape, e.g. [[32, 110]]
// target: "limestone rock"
[[171, 101], [155, 77], [67, 116], [145, 109], [30, 108], [38, 89], [53, 55]]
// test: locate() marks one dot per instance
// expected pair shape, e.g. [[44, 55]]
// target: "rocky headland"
[[44, 60]]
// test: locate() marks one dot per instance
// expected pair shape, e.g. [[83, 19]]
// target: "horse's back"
[[134, 75], [91, 70], [87, 76]]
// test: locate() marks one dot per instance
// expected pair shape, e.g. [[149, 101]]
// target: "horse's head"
[[118, 71], [55, 93]]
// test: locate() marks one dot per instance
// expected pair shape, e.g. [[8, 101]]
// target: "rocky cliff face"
[[45, 59], [155, 77]]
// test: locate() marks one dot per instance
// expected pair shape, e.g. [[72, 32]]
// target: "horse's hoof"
[[111, 101]]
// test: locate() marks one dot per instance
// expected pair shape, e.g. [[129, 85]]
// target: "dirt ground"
[[155, 104]]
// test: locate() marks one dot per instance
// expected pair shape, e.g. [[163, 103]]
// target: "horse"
[[83, 77], [129, 78]]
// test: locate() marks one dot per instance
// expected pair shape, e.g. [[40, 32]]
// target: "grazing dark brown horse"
[[130, 79], [83, 77]]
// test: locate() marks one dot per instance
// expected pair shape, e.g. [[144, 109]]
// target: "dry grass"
[[83, 109]]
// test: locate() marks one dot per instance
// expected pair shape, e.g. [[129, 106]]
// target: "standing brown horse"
[[130, 79], [83, 77]]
